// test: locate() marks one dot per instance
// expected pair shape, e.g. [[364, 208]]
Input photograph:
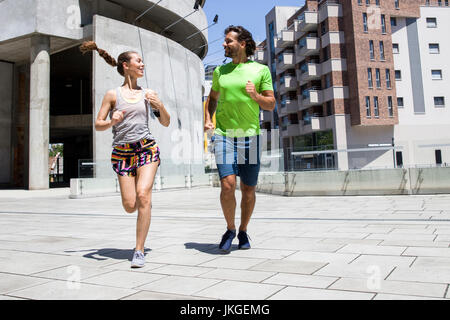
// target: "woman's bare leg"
[[128, 192], [144, 184]]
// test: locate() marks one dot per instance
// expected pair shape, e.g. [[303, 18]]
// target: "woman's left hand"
[[153, 98]]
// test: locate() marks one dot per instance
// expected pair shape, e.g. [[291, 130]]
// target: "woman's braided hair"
[[123, 57]]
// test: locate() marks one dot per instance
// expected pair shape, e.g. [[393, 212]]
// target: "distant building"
[[353, 74]]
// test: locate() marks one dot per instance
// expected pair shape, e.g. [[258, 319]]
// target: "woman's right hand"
[[117, 117]]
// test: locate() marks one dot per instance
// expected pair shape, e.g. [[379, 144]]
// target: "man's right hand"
[[208, 125]]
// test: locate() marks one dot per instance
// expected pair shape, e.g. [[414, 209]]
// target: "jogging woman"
[[135, 154]]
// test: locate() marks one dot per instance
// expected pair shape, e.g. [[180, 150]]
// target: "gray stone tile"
[[70, 272], [324, 257], [232, 263], [295, 293], [300, 280], [422, 274], [234, 290], [123, 279], [377, 260], [383, 296], [186, 260], [431, 262], [179, 285], [12, 282], [59, 290], [354, 271], [301, 267], [390, 287], [237, 275], [369, 249], [149, 295], [427, 252], [187, 271]]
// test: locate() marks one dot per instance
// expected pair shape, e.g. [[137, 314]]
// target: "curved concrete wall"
[[176, 74]]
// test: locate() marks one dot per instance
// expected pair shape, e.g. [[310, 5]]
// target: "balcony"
[[261, 56], [310, 71], [285, 39], [311, 97], [288, 106], [293, 130], [316, 123], [308, 46], [334, 65], [290, 130], [329, 9], [333, 93], [285, 61], [308, 21], [288, 83], [333, 37]]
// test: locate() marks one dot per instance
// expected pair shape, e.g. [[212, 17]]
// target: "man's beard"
[[228, 53]]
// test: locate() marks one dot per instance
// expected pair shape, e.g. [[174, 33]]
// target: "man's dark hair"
[[243, 35]]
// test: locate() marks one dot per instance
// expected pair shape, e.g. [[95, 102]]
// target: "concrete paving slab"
[[237, 275], [179, 285], [302, 267], [61, 290], [391, 287], [236, 290], [300, 280], [293, 293], [12, 282], [299, 244]]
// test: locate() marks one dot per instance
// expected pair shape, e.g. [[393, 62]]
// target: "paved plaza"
[[353, 247]]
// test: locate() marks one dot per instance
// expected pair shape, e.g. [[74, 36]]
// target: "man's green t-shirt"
[[236, 111]]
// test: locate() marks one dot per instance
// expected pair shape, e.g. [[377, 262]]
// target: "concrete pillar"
[[340, 140], [39, 112]]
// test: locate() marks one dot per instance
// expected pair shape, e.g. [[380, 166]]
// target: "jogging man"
[[238, 91]]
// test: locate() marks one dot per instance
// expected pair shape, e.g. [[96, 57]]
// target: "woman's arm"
[[109, 101], [157, 104]]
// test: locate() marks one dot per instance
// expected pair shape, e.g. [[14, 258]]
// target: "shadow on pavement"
[[210, 248], [109, 253]]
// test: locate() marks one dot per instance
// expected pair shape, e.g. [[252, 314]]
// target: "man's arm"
[[210, 109], [265, 99]]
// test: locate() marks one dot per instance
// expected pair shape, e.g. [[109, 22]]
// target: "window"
[[383, 22], [393, 21], [390, 107], [395, 48], [436, 74], [327, 81], [433, 48], [368, 107], [439, 102], [381, 50], [400, 103], [371, 50], [365, 22], [369, 77], [397, 4], [376, 111], [378, 77], [431, 23], [398, 75], [438, 156], [399, 158], [388, 78]]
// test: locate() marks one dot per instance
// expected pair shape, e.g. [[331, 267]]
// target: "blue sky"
[[247, 13]]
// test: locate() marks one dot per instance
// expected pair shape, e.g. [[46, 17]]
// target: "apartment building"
[[361, 83]]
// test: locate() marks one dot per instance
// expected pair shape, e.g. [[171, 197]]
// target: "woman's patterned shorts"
[[126, 158]]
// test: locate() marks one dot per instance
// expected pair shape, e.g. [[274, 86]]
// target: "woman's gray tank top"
[[134, 126]]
